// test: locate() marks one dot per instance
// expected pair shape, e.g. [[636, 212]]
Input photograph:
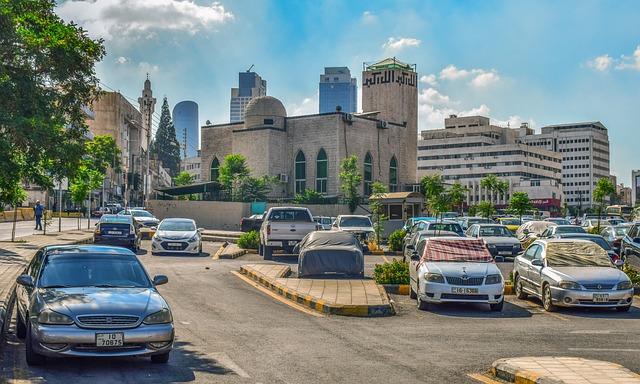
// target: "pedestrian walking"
[[39, 210]]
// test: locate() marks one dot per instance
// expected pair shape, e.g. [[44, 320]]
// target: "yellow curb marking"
[[482, 378], [386, 260], [281, 299]]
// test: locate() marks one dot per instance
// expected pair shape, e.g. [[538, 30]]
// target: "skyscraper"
[[337, 87], [250, 85], [185, 119]]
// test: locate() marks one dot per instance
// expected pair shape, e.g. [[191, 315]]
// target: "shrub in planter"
[[395, 240], [634, 276], [249, 240], [395, 272]]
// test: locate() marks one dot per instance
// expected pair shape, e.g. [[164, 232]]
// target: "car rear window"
[[577, 254], [570, 229], [290, 215], [451, 227], [355, 222]]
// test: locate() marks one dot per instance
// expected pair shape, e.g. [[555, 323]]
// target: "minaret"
[[147, 107]]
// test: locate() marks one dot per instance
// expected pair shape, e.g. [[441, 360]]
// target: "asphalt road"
[[26, 228], [230, 332]]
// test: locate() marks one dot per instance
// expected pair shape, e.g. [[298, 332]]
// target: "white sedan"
[[177, 236], [455, 269]]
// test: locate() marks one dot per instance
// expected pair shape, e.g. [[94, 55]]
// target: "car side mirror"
[[296, 248], [415, 256], [25, 280], [411, 247], [95, 224], [618, 263], [160, 279], [200, 230], [537, 262], [154, 228], [499, 259]]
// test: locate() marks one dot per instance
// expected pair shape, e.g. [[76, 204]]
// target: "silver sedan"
[[91, 301], [571, 273], [175, 235]]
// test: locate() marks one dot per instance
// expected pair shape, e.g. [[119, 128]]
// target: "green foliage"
[[47, 77], [309, 196], [395, 240], [85, 181], [379, 218], [12, 195], [165, 144], [604, 188], [183, 178], [432, 185], [233, 167], [103, 153], [249, 240], [395, 272], [495, 185], [250, 188], [350, 180], [485, 209], [633, 275], [437, 198], [473, 210], [457, 194], [519, 204]]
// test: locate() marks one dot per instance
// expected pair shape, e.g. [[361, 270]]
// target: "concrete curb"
[[508, 289], [505, 371], [318, 304], [229, 251], [398, 289]]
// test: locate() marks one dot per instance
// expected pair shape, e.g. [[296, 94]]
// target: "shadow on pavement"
[[599, 313], [168, 254], [478, 311]]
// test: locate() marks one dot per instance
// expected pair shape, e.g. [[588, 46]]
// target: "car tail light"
[[615, 257], [268, 229], [97, 230]]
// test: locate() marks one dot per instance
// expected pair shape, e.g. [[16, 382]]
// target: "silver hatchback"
[[571, 273], [91, 301]]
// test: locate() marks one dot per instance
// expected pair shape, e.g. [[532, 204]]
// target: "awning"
[[209, 186], [398, 197]]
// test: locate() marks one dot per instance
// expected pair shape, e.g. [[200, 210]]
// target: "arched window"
[[368, 174], [301, 172], [321, 171], [393, 175], [215, 170]]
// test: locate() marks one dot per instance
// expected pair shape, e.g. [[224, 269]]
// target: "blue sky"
[[544, 62]]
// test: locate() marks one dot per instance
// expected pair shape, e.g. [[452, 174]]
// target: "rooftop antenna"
[[249, 70]]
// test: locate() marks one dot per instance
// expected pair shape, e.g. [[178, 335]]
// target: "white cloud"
[[142, 18], [145, 67], [514, 121], [451, 72], [122, 60], [429, 79], [369, 17], [481, 77], [630, 62], [397, 44], [433, 97], [601, 63], [484, 79], [308, 106]]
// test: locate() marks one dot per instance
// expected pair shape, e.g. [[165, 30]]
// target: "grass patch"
[[395, 272], [249, 240]]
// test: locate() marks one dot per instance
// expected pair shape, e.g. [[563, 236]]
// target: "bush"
[[395, 272], [395, 240], [634, 276], [249, 240]]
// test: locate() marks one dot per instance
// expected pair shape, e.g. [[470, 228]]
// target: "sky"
[[541, 62]]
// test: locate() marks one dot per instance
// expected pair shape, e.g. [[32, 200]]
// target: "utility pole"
[[60, 205]]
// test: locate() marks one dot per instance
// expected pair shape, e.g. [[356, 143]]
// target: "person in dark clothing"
[[39, 210]]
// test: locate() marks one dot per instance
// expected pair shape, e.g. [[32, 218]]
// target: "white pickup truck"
[[282, 228]]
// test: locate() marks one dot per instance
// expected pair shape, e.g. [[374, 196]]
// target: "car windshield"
[[290, 215], [451, 227], [570, 229], [510, 221], [355, 222], [576, 254], [460, 251], [82, 270], [177, 226], [495, 231], [478, 220], [621, 231], [560, 221], [141, 214]]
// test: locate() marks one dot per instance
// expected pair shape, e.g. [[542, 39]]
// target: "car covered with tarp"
[[324, 253]]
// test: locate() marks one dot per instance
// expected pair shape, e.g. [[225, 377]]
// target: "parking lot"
[[227, 331]]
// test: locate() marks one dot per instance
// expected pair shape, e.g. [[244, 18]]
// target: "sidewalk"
[[15, 256], [562, 370]]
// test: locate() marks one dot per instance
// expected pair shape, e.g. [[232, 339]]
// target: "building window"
[[215, 170], [393, 175], [368, 173], [321, 171], [301, 172], [268, 121]]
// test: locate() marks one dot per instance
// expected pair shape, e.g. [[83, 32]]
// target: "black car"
[[119, 230], [631, 241]]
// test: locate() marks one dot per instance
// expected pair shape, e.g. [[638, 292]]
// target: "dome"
[[264, 110]]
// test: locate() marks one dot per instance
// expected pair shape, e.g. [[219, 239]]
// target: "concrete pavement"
[[26, 228]]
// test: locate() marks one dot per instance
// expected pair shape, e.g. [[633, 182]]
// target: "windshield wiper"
[[112, 286]]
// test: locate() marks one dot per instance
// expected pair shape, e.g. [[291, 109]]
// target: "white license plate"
[[174, 244], [461, 290], [504, 253], [110, 340], [600, 297], [114, 233], [276, 243]]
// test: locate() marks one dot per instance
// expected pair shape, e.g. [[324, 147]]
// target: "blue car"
[[118, 230]]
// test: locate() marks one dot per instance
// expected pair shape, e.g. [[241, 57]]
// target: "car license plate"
[[174, 244], [114, 233], [600, 297], [109, 340], [504, 253], [461, 290]]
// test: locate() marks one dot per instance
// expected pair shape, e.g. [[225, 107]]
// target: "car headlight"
[[491, 245], [625, 285], [517, 246], [194, 238], [53, 318], [434, 278], [569, 285], [160, 317], [493, 279]]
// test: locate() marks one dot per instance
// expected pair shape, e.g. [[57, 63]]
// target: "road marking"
[[606, 349], [281, 299], [543, 312], [225, 360], [482, 378], [592, 332]]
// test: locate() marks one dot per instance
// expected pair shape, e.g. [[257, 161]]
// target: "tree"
[[457, 193], [103, 153], [165, 145], [433, 189], [377, 189], [47, 77], [604, 187], [13, 196], [495, 185], [473, 210], [249, 188], [309, 196], [350, 180], [233, 168], [519, 204], [184, 178], [86, 180], [485, 209]]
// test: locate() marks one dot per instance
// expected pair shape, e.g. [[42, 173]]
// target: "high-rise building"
[[338, 88], [185, 120], [250, 85], [635, 187]]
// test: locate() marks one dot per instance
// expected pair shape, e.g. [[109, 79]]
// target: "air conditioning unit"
[[284, 178], [348, 117], [382, 124]]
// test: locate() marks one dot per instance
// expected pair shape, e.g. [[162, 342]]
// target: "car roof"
[[354, 216], [561, 240], [283, 208], [179, 220], [490, 225], [88, 249], [578, 235]]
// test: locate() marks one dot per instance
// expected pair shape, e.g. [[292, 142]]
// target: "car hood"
[[458, 269], [584, 275], [102, 301], [501, 240], [356, 229], [175, 235]]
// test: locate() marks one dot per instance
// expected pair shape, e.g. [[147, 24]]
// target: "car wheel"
[[423, 306], [412, 293], [260, 251], [626, 308], [32, 357], [547, 302], [497, 307], [268, 252], [160, 359], [520, 294], [21, 327]]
